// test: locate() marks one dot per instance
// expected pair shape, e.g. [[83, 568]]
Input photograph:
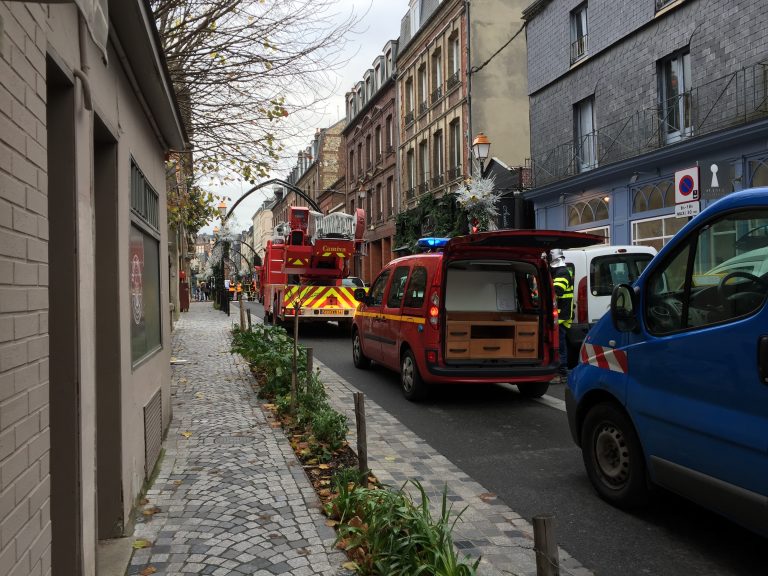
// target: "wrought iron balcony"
[[390, 149], [579, 48], [437, 181], [424, 187], [379, 158], [423, 108], [454, 173], [733, 100], [409, 118], [437, 95], [409, 193], [453, 81]]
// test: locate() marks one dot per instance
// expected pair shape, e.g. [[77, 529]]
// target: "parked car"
[[480, 311], [353, 282], [596, 271], [672, 386]]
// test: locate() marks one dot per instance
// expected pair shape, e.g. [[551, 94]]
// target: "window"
[[389, 133], [604, 231], [397, 288], [379, 203], [437, 159], [579, 33], [715, 284], [360, 159], [378, 77], [454, 55], [415, 16], [437, 76], [409, 101], [377, 144], [675, 96], [605, 272], [417, 285], [585, 138], [455, 150], [423, 104], [588, 211], [423, 166], [377, 290], [653, 196], [656, 232], [390, 198], [369, 203], [410, 175], [351, 164], [144, 199]]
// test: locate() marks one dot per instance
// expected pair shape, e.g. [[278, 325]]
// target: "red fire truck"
[[304, 264]]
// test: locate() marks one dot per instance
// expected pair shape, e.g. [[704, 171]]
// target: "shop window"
[[144, 278], [604, 231], [587, 211], [653, 196], [656, 232], [758, 173]]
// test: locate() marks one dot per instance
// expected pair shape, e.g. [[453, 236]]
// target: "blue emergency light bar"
[[432, 242]]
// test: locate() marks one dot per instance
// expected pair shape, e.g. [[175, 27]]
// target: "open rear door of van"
[[530, 241]]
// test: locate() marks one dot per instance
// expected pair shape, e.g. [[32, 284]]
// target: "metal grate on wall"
[[144, 199], [153, 432]]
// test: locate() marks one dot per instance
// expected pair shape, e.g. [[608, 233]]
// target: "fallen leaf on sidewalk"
[[183, 381], [389, 458], [323, 466], [143, 501], [331, 523], [148, 570], [349, 566], [139, 544], [186, 434], [199, 395], [487, 496], [151, 511]]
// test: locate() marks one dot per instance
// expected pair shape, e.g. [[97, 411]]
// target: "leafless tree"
[[244, 69]]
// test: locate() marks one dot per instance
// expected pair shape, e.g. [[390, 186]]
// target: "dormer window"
[[415, 13]]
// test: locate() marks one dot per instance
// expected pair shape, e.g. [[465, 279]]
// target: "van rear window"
[[605, 272], [417, 284]]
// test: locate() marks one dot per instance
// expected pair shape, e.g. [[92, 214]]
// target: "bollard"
[[362, 441], [545, 545], [249, 319], [310, 361]]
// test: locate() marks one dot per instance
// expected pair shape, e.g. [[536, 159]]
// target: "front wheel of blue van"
[[414, 388], [613, 456]]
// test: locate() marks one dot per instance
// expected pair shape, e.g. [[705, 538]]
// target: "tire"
[[533, 389], [413, 386], [613, 456], [360, 360]]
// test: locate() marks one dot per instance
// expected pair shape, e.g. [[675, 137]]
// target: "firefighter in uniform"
[[563, 281]]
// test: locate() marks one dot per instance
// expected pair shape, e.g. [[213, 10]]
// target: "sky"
[[379, 23]]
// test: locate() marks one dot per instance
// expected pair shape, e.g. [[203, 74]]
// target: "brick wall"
[[25, 528], [723, 36]]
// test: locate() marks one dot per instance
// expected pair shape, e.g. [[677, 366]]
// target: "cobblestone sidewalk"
[[232, 497]]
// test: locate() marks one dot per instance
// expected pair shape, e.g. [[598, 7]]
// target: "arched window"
[[653, 196], [587, 211], [758, 172]]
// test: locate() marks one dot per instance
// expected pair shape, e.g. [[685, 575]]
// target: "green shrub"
[[329, 427]]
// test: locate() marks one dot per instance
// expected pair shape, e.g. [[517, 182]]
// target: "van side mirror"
[[623, 308], [361, 295]]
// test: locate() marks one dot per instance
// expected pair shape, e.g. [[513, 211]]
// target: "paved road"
[[522, 451]]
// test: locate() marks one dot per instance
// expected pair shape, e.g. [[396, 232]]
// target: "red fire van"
[[482, 310]]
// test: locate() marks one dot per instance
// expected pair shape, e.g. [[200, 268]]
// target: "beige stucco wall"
[[499, 90]]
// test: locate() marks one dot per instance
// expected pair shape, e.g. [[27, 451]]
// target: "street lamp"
[[481, 147], [222, 208]]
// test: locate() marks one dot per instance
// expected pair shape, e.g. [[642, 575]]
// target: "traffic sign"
[[687, 209], [687, 185]]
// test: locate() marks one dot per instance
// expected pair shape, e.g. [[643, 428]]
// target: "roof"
[[133, 24], [534, 9]]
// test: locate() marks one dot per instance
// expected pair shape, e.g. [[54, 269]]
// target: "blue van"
[[671, 387]]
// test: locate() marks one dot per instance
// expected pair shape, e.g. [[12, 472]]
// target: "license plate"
[[331, 311]]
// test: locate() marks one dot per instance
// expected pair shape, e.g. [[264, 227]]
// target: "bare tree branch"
[[244, 70]]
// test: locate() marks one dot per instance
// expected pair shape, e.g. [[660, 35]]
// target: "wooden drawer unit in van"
[[485, 336]]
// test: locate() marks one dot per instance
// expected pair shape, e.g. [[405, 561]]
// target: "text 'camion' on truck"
[[304, 264]]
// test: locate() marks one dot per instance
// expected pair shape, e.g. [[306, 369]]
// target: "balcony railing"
[[379, 158], [390, 149], [733, 100], [424, 187], [579, 48], [454, 173], [453, 81], [409, 193], [437, 95], [437, 181], [409, 118], [423, 107]]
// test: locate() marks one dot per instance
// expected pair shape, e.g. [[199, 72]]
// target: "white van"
[[596, 270]]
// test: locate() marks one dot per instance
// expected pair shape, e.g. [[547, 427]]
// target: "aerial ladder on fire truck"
[[304, 264]]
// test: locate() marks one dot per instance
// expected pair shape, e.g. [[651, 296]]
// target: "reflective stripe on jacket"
[[563, 282]]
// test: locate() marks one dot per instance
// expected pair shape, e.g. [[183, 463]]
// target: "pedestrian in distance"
[[562, 279]]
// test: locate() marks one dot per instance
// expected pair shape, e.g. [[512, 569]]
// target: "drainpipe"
[[82, 72], [467, 146]]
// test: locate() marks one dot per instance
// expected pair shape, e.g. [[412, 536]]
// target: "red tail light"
[[555, 316], [582, 313], [434, 310]]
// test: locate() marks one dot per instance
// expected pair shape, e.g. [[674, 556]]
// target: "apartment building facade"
[[459, 72], [624, 94], [371, 160], [84, 295]]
